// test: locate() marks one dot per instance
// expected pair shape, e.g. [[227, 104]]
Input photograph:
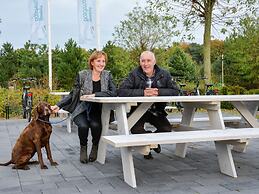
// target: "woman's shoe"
[[83, 154], [93, 154]]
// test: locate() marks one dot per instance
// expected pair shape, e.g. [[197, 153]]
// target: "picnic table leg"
[[138, 113], [248, 111], [128, 167], [215, 116], [69, 123], [225, 159], [187, 117], [126, 154], [106, 108]]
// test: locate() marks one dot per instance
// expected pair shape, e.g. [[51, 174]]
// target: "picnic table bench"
[[143, 142]]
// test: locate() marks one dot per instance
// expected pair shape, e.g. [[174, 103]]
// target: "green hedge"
[[13, 99]]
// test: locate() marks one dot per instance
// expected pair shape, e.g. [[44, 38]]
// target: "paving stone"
[[197, 173], [37, 187], [61, 191], [9, 183], [52, 178], [213, 189]]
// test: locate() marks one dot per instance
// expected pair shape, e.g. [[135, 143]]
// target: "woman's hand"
[[55, 108], [88, 96]]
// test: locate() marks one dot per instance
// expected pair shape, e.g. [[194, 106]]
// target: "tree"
[[181, 64], [145, 29], [32, 61], [119, 61], [216, 13], [195, 50], [72, 59], [8, 63], [241, 53]]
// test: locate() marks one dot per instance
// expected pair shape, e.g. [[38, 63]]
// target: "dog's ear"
[[36, 113]]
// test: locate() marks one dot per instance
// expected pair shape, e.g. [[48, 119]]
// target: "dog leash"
[[52, 123]]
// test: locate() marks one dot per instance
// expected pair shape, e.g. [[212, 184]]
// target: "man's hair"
[[95, 55], [148, 53]]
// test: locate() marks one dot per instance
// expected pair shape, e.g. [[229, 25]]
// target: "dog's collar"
[[44, 121]]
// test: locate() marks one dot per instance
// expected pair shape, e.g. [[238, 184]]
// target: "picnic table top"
[[202, 98]]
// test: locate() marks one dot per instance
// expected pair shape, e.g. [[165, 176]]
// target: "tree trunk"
[[207, 38]]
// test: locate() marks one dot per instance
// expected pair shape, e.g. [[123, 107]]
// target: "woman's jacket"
[[84, 85]]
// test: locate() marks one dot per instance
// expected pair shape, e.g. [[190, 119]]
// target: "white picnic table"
[[247, 106]]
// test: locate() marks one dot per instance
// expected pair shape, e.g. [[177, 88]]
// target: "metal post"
[[222, 69], [49, 48], [97, 23]]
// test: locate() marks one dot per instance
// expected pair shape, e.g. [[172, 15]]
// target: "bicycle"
[[209, 90], [182, 92], [196, 90], [27, 97]]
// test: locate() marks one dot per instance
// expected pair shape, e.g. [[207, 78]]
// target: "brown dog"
[[35, 136]]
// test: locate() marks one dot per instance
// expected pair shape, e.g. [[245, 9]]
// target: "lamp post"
[[222, 69]]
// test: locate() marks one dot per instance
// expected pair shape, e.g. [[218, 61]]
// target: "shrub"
[[13, 98]]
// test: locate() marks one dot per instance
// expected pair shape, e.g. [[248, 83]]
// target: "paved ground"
[[197, 173]]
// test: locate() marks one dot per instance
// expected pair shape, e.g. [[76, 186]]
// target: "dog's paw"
[[44, 167], [26, 168], [21, 167], [54, 163]]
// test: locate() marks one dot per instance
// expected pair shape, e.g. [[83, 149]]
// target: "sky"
[[15, 22]]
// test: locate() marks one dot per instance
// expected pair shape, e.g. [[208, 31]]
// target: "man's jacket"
[[136, 82]]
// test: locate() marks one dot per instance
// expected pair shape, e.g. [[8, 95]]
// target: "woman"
[[93, 82]]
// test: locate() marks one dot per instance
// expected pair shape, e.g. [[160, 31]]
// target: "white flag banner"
[[87, 21], [0, 27], [38, 17]]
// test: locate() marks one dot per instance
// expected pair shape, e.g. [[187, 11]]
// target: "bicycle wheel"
[[29, 115], [24, 105], [29, 107]]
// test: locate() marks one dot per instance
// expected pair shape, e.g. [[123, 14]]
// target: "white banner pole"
[[97, 23], [49, 48]]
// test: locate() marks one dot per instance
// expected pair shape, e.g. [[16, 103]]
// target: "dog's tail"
[[6, 164]]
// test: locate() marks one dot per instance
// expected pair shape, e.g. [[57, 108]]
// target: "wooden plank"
[[181, 137]]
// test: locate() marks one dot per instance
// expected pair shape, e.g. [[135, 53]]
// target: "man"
[[150, 80]]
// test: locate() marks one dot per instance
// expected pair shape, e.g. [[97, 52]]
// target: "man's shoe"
[[83, 154], [93, 154], [158, 149], [149, 156]]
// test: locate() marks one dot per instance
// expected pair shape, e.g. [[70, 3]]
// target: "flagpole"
[[49, 48], [97, 16]]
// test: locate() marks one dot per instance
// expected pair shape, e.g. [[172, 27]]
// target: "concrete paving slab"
[[198, 173]]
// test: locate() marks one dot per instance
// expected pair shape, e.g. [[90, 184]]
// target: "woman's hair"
[[96, 55]]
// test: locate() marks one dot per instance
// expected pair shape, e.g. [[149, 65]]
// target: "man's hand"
[[55, 109], [151, 92]]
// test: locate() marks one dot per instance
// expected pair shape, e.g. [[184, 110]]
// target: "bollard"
[[7, 111]]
